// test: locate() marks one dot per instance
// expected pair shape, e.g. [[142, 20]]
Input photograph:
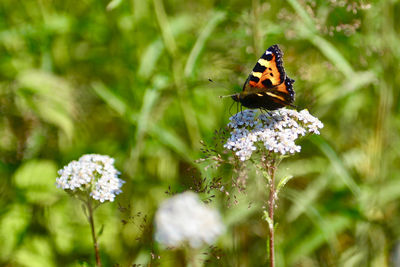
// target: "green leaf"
[[13, 224], [113, 4], [268, 219], [35, 252], [36, 179], [282, 183], [100, 231], [149, 58], [49, 96]]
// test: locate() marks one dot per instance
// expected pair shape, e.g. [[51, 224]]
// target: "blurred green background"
[[129, 78]]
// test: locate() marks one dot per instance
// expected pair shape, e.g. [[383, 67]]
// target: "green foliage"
[[39, 190], [129, 79]]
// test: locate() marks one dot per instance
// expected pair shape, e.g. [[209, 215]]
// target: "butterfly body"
[[267, 86]]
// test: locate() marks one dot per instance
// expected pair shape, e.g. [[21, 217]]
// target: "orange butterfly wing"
[[268, 86], [269, 71]]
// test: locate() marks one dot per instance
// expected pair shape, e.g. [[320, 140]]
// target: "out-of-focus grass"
[[129, 79]]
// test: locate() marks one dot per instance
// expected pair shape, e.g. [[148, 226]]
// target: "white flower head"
[[276, 130], [184, 219], [92, 173]]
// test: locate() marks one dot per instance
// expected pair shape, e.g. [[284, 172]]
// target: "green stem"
[[190, 257], [257, 39], [271, 168], [91, 222]]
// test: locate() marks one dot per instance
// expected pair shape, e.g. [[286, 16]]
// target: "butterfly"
[[267, 86]]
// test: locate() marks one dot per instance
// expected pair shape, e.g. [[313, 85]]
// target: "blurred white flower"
[[277, 130], [92, 173], [184, 219]]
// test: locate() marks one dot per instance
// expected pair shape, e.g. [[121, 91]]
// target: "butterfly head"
[[236, 97]]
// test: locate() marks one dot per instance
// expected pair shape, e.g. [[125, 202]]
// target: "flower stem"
[[271, 206], [190, 255], [91, 222]]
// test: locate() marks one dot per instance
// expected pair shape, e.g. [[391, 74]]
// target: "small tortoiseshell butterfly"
[[267, 86]]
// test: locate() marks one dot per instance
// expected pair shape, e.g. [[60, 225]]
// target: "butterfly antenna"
[[223, 96], [219, 84]]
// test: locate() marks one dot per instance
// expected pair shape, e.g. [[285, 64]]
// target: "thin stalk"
[[271, 168], [193, 262], [257, 38], [189, 115], [91, 222], [190, 257]]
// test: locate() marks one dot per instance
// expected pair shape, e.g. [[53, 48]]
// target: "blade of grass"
[[165, 28], [359, 81], [113, 4], [149, 101], [337, 164], [308, 196], [315, 239], [110, 98], [216, 18], [149, 58], [308, 21], [308, 30], [177, 71], [331, 53], [170, 139]]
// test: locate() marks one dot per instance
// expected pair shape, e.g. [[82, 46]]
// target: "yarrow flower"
[[92, 173], [276, 130], [184, 219]]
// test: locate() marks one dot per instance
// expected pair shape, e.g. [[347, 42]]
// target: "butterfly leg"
[[230, 108]]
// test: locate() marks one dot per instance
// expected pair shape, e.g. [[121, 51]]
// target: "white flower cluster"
[[92, 173], [184, 219], [277, 130]]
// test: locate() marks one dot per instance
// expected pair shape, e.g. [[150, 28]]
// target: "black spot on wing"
[[254, 78], [259, 68], [274, 49], [267, 83]]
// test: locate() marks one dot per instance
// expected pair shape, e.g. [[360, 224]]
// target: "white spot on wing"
[[256, 74], [263, 62]]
